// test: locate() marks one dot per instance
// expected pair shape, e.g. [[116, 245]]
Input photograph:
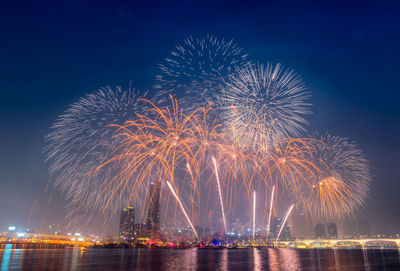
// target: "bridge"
[[49, 240], [341, 243]]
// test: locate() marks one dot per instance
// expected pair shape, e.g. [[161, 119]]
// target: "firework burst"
[[160, 144], [341, 183], [106, 149], [270, 100], [80, 140], [196, 67]]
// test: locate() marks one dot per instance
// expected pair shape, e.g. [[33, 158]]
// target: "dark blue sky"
[[52, 53]]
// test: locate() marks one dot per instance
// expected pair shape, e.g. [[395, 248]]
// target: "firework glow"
[[107, 148]]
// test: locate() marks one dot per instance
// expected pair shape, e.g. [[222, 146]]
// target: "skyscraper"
[[320, 231], [127, 224], [332, 230], [286, 232], [139, 230], [275, 226], [153, 215]]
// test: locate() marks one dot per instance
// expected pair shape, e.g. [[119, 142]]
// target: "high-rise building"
[[332, 230], [286, 233], [127, 224], [153, 215], [320, 231], [139, 230], [275, 226]]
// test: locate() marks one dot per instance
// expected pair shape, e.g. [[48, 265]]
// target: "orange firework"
[[154, 146], [340, 183]]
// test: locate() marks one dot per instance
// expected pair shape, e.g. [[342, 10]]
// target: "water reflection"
[[190, 259], [290, 259], [365, 257], [257, 259], [273, 259], [224, 260], [316, 261], [75, 256], [337, 259], [6, 257], [198, 259]]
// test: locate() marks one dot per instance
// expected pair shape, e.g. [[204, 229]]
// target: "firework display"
[[271, 100], [195, 68], [341, 182], [107, 148], [79, 141]]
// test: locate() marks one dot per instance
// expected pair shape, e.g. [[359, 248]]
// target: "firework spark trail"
[[284, 221], [182, 208], [219, 191], [270, 211], [254, 215]]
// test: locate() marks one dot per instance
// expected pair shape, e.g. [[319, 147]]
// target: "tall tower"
[[127, 224], [286, 232], [320, 231], [332, 230], [153, 215]]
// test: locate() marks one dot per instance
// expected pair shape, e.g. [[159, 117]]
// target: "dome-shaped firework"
[[266, 103], [80, 140], [195, 68], [341, 183]]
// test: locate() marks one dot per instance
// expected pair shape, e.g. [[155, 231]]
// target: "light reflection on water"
[[365, 257], [224, 260], [290, 259], [197, 259], [6, 257], [257, 260], [273, 259]]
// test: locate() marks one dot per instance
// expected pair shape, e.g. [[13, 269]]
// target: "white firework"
[[80, 140], [264, 103], [195, 68]]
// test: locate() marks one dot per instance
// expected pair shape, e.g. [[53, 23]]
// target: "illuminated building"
[[139, 230], [332, 230], [275, 227], [127, 224], [153, 215], [286, 233], [320, 231]]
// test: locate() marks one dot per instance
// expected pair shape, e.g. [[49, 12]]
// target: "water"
[[198, 259]]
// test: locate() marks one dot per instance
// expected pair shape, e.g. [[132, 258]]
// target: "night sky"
[[52, 53]]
